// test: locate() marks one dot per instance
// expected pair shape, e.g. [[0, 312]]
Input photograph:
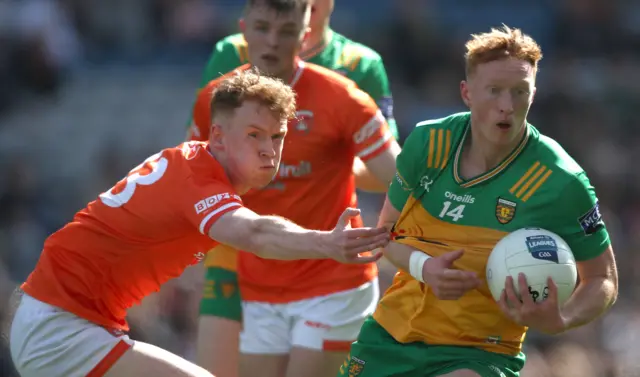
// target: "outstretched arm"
[[273, 237]]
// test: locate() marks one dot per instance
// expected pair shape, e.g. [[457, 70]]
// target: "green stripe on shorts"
[[221, 294]]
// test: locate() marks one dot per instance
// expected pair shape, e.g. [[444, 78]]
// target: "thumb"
[[452, 256], [346, 217]]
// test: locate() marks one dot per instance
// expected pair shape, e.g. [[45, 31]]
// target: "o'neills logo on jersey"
[[467, 199], [299, 170]]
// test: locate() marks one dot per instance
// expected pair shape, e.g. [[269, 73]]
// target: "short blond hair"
[[250, 85], [499, 44]]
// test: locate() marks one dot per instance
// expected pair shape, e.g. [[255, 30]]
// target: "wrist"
[[562, 324], [320, 244], [417, 262]]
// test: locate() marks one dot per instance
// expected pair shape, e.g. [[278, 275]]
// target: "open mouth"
[[268, 58], [504, 125]]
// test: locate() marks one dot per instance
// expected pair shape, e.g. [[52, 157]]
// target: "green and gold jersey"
[[351, 59], [537, 185]]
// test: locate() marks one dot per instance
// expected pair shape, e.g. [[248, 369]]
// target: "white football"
[[538, 254]]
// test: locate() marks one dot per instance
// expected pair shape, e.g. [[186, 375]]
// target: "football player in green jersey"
[[463, 182], [329, 49]]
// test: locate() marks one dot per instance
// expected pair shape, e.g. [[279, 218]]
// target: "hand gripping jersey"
[[537, 185], [335, 122], [351, 59], [136, 236]]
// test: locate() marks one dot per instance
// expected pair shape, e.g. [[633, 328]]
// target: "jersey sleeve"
[[376, 83], [578, 220], [408, 167], [203, 204], [367, 128]]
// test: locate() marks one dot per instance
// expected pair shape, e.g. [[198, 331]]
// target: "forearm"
[[366, 180], [590, 300], [376, 174], [273, 237], [399, 255]]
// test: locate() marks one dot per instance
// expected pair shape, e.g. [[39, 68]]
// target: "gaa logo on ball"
[[542, 247]]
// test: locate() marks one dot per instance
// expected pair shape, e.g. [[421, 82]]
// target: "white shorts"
[[329, 323], [46, 341]]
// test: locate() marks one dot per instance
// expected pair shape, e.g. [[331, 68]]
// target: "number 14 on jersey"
[[455, 213]]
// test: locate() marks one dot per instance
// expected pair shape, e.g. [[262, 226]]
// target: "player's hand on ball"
[[345, 244], [543, 316], [446, 282]]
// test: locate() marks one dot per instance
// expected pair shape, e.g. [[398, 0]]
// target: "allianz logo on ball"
[[542, 247]]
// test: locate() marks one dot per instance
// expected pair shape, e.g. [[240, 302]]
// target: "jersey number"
[[455, 214], [147, 173]]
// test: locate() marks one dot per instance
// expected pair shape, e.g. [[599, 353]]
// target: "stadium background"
[[88, 88]]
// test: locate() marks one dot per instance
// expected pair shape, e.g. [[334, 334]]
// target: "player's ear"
[[533, 94], [216, 137], [242, 25], [464, 93]]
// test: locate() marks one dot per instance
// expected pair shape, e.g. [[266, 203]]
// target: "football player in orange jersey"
[[298, 318], [153, 224]]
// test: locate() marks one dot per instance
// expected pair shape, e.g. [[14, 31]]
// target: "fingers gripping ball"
[[538, 254]]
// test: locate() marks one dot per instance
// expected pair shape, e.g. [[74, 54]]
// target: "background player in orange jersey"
[[153, 224], [298, 318], [330, 49]]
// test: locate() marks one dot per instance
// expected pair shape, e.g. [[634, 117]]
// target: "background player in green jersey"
[[464, 182]]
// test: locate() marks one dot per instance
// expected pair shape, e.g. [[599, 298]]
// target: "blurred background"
[[89, 88]]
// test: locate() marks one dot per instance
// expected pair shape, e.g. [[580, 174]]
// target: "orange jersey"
[[141, 233], [335, 123]]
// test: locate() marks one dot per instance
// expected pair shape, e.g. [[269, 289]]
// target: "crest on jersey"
[[303, 121], [228, 289], [355, 366], [190, 150], [505, 211]]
